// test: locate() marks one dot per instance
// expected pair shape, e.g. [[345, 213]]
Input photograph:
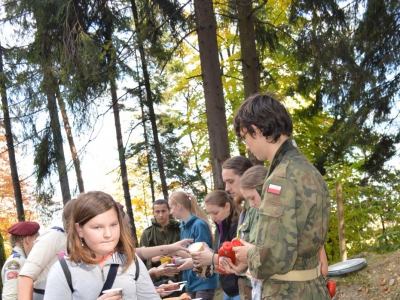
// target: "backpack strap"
[[67, 273], [112, 273], [137, 268]]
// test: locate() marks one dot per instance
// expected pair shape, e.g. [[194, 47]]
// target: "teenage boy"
[[164, 230], [295, 209]]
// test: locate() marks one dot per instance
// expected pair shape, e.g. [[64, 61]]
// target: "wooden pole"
[[340, 216]]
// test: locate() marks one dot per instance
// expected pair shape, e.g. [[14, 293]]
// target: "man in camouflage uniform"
[[295, 210]]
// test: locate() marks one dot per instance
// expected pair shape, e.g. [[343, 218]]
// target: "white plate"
[[180, 288]]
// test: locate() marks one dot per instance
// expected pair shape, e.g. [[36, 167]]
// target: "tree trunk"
[[212, 83], [49, 84], [114, 98], [74, 154], [340, 216], [10, 143], [146, 143], [150, 103], [121, 153], [249, 57]]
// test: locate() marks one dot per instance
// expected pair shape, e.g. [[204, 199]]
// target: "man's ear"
[[78, 230]]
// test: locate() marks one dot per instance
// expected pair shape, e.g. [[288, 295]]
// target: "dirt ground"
[[378, 280]]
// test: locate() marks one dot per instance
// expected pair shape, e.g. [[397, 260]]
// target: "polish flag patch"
[[274, 189]]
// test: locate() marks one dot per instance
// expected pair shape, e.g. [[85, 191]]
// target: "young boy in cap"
[[23, 235]]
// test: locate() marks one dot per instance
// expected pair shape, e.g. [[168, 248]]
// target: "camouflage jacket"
[[292, 226]]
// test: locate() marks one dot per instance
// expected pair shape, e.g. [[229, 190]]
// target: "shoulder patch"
[[13, 265], [274, 189], [58, 228], [12, 275], [15, 254]]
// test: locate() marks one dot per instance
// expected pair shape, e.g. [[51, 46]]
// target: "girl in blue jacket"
[[194, 225]]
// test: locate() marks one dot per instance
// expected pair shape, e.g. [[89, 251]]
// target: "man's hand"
[[241, 251], [161, 291], [202, 258], [230, 268], [179, 246], [156, 259], [187, 264]]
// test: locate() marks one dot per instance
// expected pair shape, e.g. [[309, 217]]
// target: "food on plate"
[[184, 296], [170, 286]]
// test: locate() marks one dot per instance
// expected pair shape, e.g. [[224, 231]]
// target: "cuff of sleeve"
[[31, 270], [254, 258]]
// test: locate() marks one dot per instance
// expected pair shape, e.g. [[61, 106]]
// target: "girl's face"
[[253, 196], [218, 213], [101, 233], [174, 209]]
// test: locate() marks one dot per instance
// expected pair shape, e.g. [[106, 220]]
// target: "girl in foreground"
[[194, 225], [98, 237]]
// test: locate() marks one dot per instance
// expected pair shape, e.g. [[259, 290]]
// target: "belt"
[[299, 275], [38, 291]]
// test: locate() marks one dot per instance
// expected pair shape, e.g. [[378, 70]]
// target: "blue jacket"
[[197, 229]]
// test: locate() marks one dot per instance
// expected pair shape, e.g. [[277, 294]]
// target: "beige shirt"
[[10, 272], [43, 255]]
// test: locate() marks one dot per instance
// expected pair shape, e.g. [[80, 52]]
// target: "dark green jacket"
[[155, 236]]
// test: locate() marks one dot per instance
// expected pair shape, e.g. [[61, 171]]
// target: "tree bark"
[[249, 57], [121, 153], [146, 143], [212, 83], [10, 142], [150, 102], [68, 131], [114, 98], [49, 84], [340, 216]]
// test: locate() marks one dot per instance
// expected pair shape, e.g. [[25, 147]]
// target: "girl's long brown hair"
[[86, 207], [220, 198]]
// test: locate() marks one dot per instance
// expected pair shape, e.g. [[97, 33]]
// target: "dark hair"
[[161, 202], [86, 207], [266, 113], [253, 177], [220, 198], [239, 164]]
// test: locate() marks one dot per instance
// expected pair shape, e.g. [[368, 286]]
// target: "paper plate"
[[180, 288], [347, 266]]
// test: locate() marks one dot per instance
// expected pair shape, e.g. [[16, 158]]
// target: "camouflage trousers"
[[244, 288]]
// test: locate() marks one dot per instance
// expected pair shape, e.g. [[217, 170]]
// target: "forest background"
[[178, 70]]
